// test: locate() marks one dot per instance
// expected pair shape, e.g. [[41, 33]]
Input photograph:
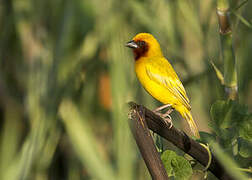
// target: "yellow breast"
[[154, 89]]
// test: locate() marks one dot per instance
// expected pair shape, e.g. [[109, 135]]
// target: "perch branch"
[[146, 144], [178, 138]]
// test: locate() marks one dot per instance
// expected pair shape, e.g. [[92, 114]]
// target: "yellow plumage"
[[159, 79]]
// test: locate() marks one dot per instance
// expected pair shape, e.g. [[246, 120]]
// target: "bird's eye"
[[142, 43]]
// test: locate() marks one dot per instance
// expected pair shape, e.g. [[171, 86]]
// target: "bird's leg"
[[168, 122], [162, 107]]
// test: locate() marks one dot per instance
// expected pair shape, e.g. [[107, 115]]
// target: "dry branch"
[[173, 135], [146, 144]]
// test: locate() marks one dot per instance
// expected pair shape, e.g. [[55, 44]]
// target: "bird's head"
[[144, 45]]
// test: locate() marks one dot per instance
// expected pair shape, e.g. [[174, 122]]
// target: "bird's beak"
[[132, 44]]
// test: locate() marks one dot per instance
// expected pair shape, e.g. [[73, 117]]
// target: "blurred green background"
[[66, 76]]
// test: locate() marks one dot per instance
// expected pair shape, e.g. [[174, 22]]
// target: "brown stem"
[[223, 17], [179, 139], [146, 144]]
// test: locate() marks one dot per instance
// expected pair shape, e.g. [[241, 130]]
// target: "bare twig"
[[179, 139], [146, 144]]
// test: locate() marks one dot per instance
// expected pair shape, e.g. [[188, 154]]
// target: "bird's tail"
[[188, 116]]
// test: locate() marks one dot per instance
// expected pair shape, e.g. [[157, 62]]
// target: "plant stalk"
[[228, 55]]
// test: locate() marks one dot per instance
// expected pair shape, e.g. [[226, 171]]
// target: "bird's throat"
[[140, 52]]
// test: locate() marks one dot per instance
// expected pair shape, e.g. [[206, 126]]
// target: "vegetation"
[[65, 79]]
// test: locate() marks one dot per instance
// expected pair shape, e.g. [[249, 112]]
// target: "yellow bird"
[[159, 79]]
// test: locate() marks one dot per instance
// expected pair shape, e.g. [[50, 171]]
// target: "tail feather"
[[188, 116]]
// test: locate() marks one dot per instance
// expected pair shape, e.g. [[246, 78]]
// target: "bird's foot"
[[166, 116], [168, 121]]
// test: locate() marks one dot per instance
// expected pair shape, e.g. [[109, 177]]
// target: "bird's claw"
[[166, 117], [168, 121]]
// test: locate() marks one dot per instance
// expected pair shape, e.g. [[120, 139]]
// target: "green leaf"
[[227, 114], [245, 148], [206, 137], [221, 114], [230, 120], [176, 165], [227, 162], [245, 130], [241, 4], [159, 143], [218, 73], [243, 20]]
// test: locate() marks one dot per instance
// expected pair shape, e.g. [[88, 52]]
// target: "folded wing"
[[168, 79]]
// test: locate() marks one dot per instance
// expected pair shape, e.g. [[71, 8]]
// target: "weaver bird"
[[159, 79]]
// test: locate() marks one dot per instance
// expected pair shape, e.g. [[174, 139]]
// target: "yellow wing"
[[162, 73]]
